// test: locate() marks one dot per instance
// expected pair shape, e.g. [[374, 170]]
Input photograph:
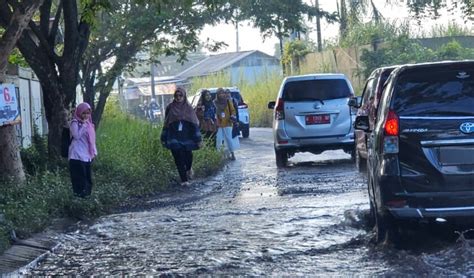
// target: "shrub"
[[255, 95], [131, 163]]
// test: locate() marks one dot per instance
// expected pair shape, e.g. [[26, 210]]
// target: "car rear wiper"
[[310, 99]]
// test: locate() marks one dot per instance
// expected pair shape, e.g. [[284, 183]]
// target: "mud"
[[253, 219]]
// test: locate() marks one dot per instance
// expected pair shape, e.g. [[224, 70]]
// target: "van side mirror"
[[271, 104], [362, 123], [354, 102]]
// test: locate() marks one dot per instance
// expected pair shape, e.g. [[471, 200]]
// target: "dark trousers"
[[81, 177], [184, 161]]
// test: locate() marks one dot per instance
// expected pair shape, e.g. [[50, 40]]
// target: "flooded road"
[[252, 219]]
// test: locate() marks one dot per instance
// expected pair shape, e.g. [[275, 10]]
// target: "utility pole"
[[318, 27], [237, 47], [152, 78]]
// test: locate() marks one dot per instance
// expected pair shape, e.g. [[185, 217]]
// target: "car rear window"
[[316, 89], [235, 95], [435, 93]]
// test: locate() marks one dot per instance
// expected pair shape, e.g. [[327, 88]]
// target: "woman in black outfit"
[[181, 133]]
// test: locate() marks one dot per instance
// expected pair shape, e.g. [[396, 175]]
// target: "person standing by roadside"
[[181, 134], [82, 150], [225, 118], [206, 113], [235, 122]]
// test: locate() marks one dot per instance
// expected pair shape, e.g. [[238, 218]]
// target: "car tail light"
[[280, 110], [243, 105], [392, 130], [392, 124]]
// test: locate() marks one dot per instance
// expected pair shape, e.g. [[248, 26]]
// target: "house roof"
[[215, 63]]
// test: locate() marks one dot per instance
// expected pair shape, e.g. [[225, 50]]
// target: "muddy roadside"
[[25, 254]]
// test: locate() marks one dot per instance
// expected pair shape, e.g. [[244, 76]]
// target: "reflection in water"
[[252, 219]]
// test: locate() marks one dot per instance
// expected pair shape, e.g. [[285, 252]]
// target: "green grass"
[[256, 95], [131, 163]]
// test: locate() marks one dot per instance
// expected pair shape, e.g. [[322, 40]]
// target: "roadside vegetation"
[[256, 95], [131, 164], [382, 44]]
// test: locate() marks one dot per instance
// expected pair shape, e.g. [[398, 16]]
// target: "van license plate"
[[318, 119]]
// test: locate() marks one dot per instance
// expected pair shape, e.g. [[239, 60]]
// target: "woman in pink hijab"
[[82, 150]]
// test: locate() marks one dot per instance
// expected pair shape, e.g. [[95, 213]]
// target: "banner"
[[9, 112]]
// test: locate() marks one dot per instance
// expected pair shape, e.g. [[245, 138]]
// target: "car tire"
[[246, 132], [361, 163], [386, 228], [371, 219], [281, 158]]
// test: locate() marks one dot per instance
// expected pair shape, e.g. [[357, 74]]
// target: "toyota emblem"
[[467, 127]]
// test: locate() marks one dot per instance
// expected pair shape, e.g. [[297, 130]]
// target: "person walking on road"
[[206, 113], [226, 116], [181, 134], [82, 150], [235, 123]]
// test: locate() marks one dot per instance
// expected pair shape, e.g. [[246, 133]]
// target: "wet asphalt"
[[252, 219]]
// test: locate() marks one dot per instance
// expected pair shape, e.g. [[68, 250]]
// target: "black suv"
[[367, 105], [421, 151]]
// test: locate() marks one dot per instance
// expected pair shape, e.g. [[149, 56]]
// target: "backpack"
[[65, 142]]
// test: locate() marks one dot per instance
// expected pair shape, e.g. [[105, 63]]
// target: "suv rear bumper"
[[419, 213], [420, 205], [316, 144], [342, 140]]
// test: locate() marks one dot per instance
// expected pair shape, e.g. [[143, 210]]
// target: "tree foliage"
[[280, 18], [432, 8], [164, 28], [403, 50], [294, 51]]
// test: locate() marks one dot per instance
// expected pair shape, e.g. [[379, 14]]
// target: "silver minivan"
[[311, 114]]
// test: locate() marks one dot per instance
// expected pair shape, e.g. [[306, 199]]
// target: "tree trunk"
[[54, 104], [104, 94], [280, 39], [11, 166], [10, 160]]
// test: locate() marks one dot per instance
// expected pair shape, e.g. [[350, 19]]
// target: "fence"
[[30, 98]]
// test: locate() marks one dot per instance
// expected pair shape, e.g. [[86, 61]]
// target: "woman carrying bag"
[[206, 113], [226, 116], [181, 134]]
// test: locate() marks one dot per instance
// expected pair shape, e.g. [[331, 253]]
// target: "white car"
[[244, 117], [312, 114]]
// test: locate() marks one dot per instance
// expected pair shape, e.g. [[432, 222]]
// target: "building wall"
[[253, 68], [31, 106]]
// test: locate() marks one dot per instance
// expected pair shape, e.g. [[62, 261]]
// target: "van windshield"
[[319, 89], [438, 93]]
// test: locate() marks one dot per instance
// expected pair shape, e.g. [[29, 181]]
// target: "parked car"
[[244, 116], [421, 150], [367, 106], [312, 114]]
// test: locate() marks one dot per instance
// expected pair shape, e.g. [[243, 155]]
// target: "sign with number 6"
[[9, 112]]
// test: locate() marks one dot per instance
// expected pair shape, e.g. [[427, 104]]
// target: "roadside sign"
[[9, 112]]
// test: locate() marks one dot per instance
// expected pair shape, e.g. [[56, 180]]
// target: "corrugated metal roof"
[[216, 63]]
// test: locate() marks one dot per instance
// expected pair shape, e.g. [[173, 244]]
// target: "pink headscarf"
[[90, 127]]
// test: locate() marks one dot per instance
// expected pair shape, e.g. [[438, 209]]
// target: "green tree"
[[293, 53], [432, 8], [280, 18], [14, 24], [167, 28], [53, 48]]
